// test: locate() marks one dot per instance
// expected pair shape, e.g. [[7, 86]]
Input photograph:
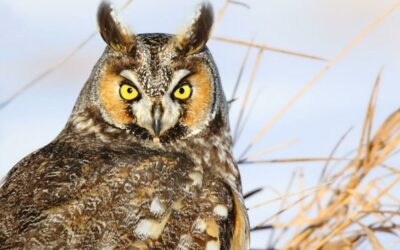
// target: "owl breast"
[[120, 197]]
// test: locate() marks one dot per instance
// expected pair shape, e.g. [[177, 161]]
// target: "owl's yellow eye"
[[183, 92], [128, 92]]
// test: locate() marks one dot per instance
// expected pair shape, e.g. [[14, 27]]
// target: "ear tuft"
[[196, 35], [112, 30]]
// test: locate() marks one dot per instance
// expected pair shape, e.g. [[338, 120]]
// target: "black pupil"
[[181, 90], [130, 90]]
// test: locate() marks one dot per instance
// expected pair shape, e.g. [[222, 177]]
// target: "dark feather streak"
[[197, 35], [112, 31]]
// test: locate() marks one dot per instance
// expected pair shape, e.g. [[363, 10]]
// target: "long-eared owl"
[[144, 161]]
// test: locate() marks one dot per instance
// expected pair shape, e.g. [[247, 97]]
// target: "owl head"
[[155, 86]]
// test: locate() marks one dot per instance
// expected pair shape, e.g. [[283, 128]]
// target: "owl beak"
[[157, 113]]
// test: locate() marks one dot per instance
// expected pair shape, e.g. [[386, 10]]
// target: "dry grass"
[[347, 207], [351, 204]]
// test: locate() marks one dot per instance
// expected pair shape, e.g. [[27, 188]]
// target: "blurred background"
[[36, 35]]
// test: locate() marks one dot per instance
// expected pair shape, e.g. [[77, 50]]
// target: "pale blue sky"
[[38, 34]]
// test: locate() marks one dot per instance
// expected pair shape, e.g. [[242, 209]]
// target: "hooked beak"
[[157, 113]]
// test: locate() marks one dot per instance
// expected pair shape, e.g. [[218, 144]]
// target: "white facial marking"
[[142, 111], [221, 211], [172, 112], [199, 226], [130, 75], [172, 109], [213, 245], [157, 207], [178, 76], [142, 108]]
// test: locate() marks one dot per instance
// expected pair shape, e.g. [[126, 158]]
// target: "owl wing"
[[241, 236], [50, 196]]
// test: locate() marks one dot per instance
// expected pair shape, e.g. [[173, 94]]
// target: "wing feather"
[[241, 236]]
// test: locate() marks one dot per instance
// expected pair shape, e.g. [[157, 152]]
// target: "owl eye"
[[128, 92], [183, 92]]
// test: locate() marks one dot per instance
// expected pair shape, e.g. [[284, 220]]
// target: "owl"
[[145, 160]]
